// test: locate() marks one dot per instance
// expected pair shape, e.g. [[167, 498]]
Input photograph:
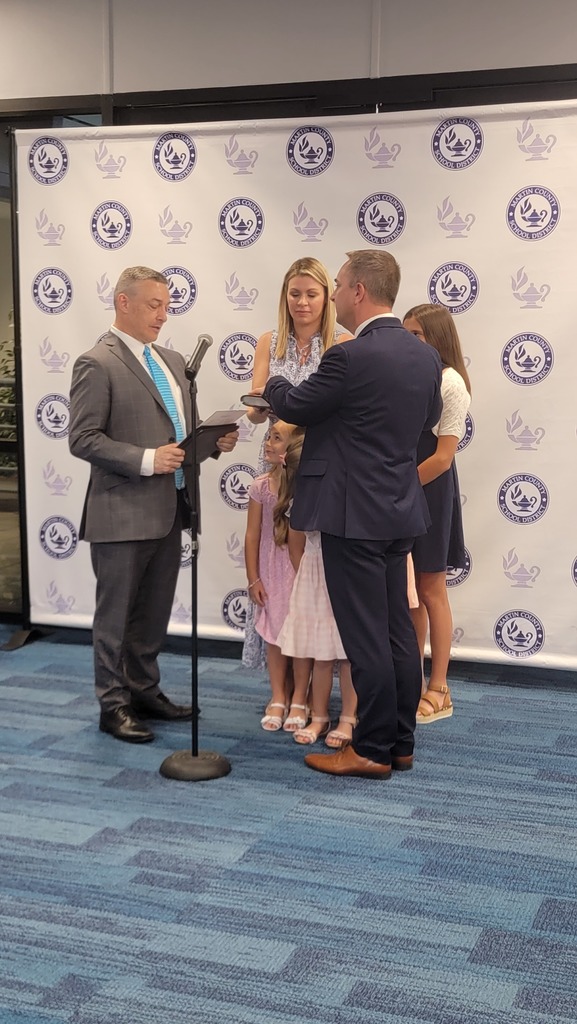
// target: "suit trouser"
[[367, 585], [135, 586]]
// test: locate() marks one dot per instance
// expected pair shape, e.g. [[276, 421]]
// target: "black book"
[[209, 431]]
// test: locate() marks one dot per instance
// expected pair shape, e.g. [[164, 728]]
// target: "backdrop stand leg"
[[194, 765]]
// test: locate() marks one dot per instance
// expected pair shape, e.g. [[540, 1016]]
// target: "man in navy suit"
[[364, 410]]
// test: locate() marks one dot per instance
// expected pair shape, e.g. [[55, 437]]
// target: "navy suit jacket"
[[364, 409]]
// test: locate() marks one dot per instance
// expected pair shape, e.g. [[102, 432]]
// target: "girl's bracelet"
[[253, 584]]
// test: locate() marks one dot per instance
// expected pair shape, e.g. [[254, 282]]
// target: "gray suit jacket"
[[115, 413]]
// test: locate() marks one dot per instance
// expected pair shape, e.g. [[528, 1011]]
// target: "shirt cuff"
[[147, 467]]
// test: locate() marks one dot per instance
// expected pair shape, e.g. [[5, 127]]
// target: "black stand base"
[[185, 767]]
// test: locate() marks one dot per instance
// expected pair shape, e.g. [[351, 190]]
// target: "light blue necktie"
[[160, 379]]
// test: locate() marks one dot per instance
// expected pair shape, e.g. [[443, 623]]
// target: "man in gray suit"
[[137, 501]]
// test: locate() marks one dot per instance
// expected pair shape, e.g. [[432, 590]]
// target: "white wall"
[[81, 47]]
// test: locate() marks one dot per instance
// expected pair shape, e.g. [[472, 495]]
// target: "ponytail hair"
[[287, 486]]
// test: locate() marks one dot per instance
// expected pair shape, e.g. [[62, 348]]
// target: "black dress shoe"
[[124, 725], [159, 706]]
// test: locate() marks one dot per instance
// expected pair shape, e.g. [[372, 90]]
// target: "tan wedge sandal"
[[434, 705]]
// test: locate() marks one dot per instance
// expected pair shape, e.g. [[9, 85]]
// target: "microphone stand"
[[194, 765]]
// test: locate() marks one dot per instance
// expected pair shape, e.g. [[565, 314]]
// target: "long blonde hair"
[[287, 486], [308, 266], [441, 333]]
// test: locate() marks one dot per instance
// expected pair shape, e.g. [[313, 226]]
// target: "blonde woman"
[[306, 329]]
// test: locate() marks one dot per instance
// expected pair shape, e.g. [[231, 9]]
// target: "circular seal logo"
[[186, 549], [236, 356], [52, 290], [234, 609], [574, 572], [310, 150], [234, 485], [527, 359], [457, 576], [58, 537], [533, 213], [174, 156], [455, 286], [241, 222], [519, 634], [381, 218], [523, 498], [468, 433], [111, 225], [48, 160], [457, 143], [53, 415], [183, 290]]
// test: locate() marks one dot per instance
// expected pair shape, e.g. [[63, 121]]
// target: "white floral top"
[[456, 402]]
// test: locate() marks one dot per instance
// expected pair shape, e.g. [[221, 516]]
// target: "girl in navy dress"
[[444, 544]]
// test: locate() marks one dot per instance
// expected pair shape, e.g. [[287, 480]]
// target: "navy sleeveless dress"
[[444, 543]]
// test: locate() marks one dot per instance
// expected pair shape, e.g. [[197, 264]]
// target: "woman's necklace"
[[304, 351]]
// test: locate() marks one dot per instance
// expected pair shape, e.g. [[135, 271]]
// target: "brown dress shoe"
[[403, 763], [348, 762]]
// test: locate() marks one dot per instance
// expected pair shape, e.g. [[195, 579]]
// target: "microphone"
[[193, 365]]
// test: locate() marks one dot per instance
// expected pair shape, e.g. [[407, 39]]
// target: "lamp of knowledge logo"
[[58, 537], [53, 415], [234, 485], [457, 143], [533, 213], [241, 222], [527, 359], [455, 286], [381, 218], [234, 609], [174, 156], [111, 225], [186, 549], [52, 291], [519, 633], [310, 150], [182, 288], [468, 433], [236, 356], [50, 233], [456, 576], [523, 498], [48, 160]]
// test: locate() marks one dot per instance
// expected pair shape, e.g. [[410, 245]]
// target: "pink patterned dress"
[[274, 566], [310, 630]]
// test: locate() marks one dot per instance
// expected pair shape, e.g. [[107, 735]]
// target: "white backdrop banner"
[[480, 208]]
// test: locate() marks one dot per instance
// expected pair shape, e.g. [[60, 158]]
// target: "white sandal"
[[312, 733], [336, 738], [294, 722], [272, 723]]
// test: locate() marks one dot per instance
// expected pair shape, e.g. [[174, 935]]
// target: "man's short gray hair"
[[133, 275]]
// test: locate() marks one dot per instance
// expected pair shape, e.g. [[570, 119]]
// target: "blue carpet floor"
[[277, 895]]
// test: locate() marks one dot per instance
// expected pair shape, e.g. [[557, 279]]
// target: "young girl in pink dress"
[[271, 575], [310, 635]]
